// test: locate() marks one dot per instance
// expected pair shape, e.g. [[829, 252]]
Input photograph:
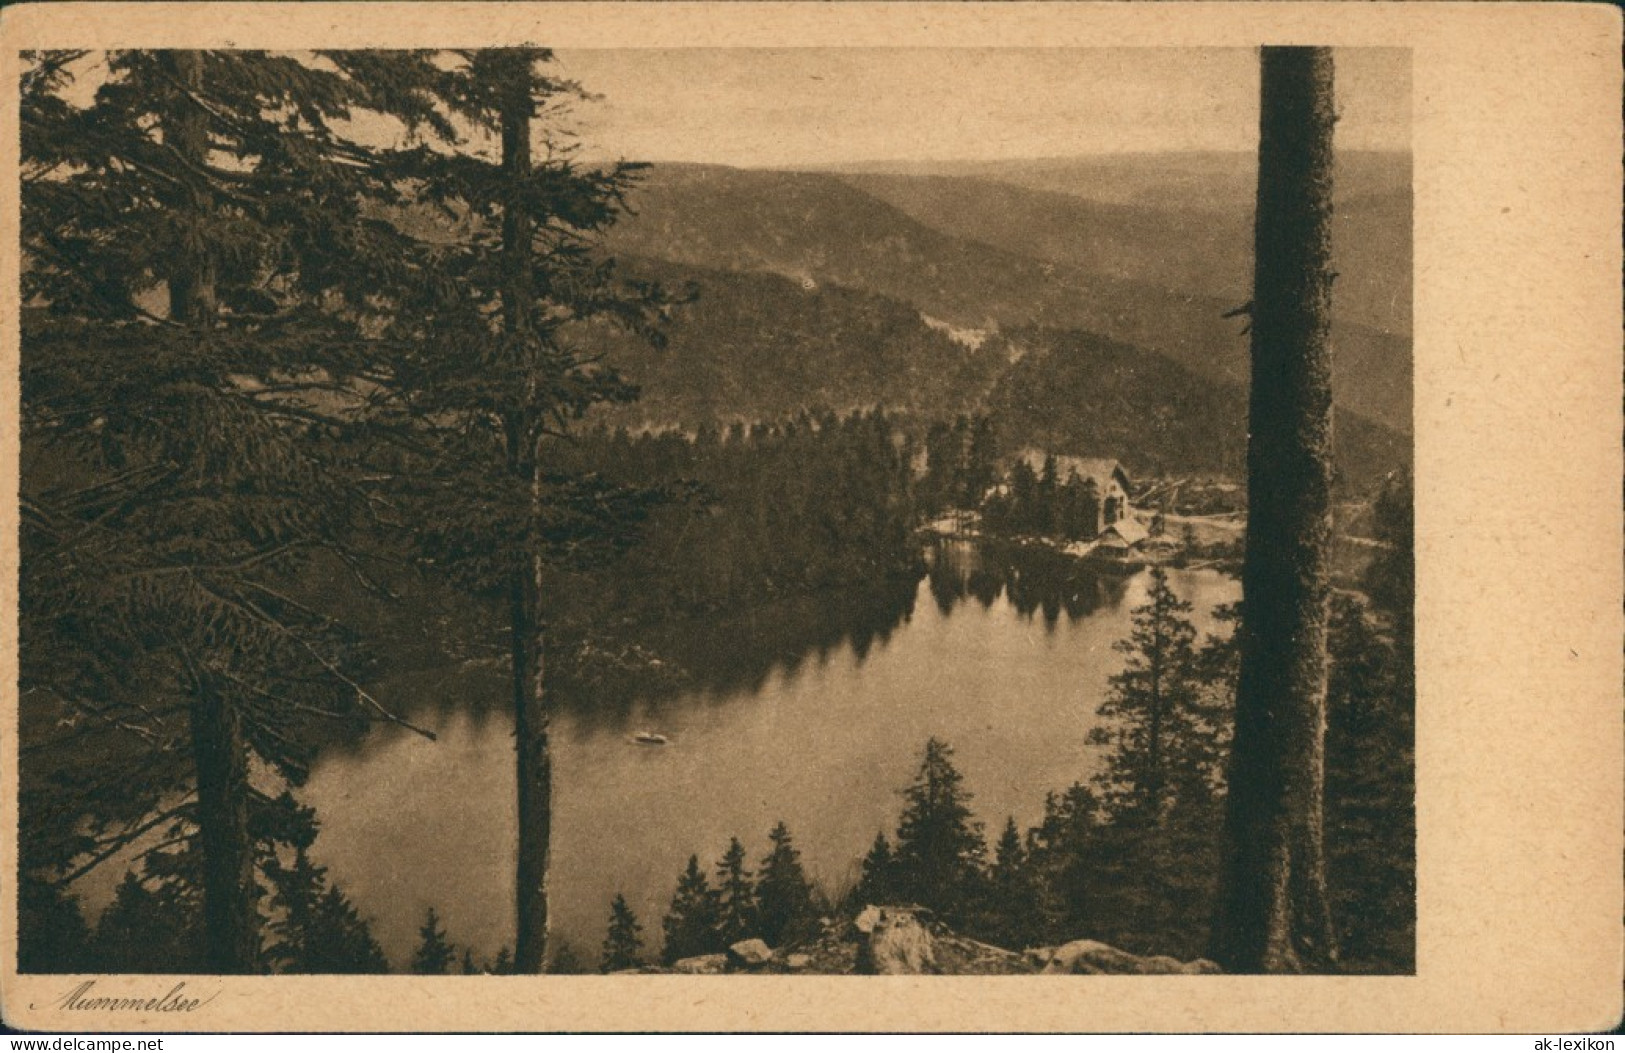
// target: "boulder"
[[894, 941], [798, 962], [704, 964], [750, 953], [958, 955], [1091, 957]]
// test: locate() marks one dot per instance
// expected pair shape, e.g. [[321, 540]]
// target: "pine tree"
[[784, 897], [487, 374], [1145, 881], [1071, 515], [1024, 498], [623, 946], [1274, 913], [981, 461], [1163, 732], [942, 468], [940, 851], [1089, 511], [690, 926], [151, 930], [1218, 667], [564, 960], [736, 896], [1062, 856], [317, 929], [1013, 916], [434, 953], [1371, 748], [1009, 855], [297, 889], [877, 882], [1370, 795], [51, 932], [1047, 498], [199, 273]]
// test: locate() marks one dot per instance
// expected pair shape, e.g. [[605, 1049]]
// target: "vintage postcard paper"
[[684, 516]]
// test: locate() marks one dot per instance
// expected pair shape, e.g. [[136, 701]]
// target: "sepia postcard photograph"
[[625, 516]]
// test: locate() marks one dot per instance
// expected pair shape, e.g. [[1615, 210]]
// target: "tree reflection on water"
[[1033, 578]]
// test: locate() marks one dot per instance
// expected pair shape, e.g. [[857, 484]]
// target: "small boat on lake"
[[650, 738]]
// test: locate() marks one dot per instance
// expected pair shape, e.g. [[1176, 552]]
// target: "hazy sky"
[[779, 107], [761, 107]]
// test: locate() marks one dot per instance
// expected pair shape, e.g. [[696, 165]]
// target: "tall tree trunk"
[[219, 756], [191, 275], [532, 758], [230, 919], [1273, 913]]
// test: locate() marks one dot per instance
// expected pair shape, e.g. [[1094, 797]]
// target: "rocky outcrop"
[[749, 954], [702, 965], [907, 940], [894, 941], [1091, 957]]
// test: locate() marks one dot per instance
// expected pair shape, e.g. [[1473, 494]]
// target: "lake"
[[814, 712]]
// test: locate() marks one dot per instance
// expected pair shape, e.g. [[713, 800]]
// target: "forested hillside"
[[754, 346], [1078, 393], [819, 227], [805, 291], [1169, 236]]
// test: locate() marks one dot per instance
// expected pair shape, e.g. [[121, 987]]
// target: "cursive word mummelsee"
[[177, 1000]]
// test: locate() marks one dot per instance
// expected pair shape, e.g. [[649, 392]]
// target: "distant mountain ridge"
[[1174, 244], [819, 227], [1220, 179], [813, 293]]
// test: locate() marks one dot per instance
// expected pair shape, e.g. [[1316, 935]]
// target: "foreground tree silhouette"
[[1274, 914], [314, 928], [623, 944], [198, 278], [1013, 912], [877, 875], [784, 897], [434, 953], [565, 960], [490, 369], [736, 896], [1165, 732], [1370, 794], [690, 926], [940, 851]]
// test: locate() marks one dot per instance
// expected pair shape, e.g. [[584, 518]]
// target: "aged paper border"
[[1518, 436]]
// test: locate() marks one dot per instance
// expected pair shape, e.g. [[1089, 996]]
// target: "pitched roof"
[[1100, 469], [1128, 529]]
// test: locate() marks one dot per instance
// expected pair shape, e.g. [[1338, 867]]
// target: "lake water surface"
[[814, 712]]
